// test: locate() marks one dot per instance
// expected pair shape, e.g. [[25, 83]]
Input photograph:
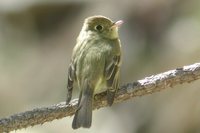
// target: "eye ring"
[[99, 27]]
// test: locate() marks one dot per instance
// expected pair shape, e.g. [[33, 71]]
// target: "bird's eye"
[[99, 27]]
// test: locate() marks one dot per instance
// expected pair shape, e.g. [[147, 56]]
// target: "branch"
[[142, 87]]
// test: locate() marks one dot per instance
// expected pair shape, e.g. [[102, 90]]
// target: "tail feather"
[[83, 115]]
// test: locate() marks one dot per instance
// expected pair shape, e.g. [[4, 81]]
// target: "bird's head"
[[101, 26]]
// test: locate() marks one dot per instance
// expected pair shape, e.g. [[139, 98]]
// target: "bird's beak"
[[117, 24]]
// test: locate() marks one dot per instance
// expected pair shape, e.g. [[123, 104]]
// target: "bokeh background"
[[36, 42]]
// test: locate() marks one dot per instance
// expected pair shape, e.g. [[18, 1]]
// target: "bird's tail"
[[83, 115]]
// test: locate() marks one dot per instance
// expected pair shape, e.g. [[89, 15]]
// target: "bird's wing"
[[71, 78], [111, 69], [112, 77], [72, 71]]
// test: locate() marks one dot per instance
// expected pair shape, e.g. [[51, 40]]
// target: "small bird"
[[95, 66]]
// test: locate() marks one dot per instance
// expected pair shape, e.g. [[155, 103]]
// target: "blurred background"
[[36, 42]]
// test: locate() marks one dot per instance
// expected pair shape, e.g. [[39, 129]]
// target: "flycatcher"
[[95, 66]]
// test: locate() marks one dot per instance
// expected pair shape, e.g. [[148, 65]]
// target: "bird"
[[95, 66]]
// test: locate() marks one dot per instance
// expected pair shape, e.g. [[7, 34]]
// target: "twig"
[[145, 86]]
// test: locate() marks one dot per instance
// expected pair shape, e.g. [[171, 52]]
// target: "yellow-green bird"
[[95, 66]]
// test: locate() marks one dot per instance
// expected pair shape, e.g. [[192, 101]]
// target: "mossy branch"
[[142, 87]]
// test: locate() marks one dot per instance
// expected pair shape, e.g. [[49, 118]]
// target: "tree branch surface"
[[127, 91]]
